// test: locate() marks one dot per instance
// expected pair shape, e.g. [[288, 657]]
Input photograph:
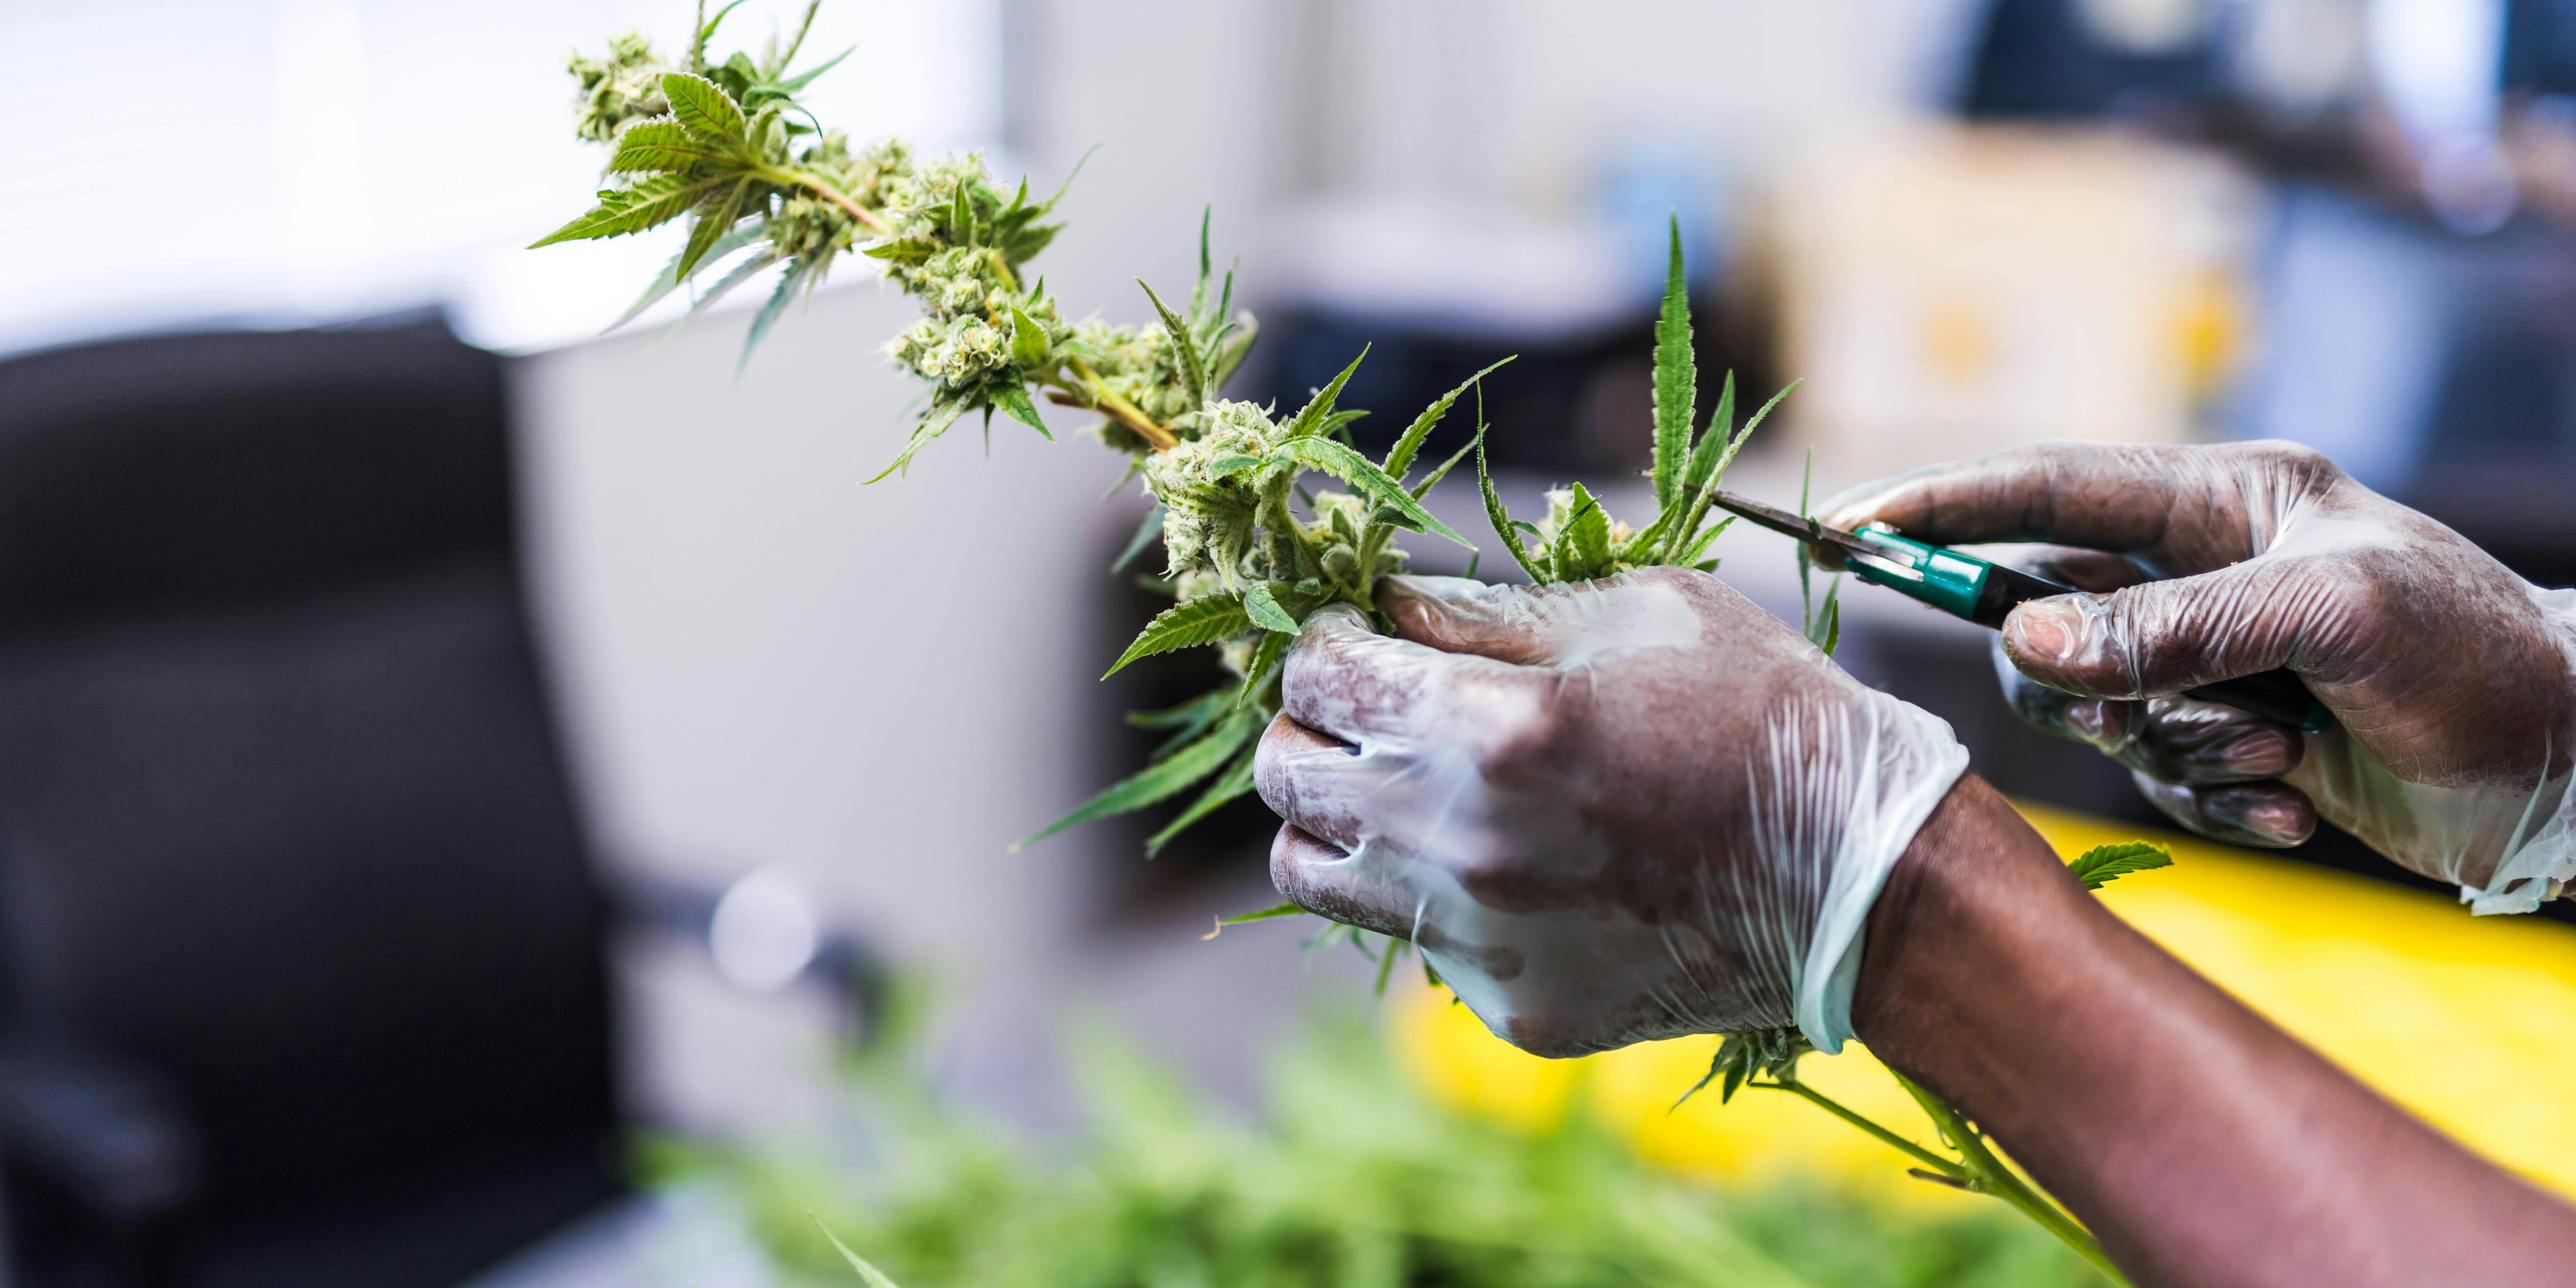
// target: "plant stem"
[[1991, 1175], [1119, 409], [1827, 1103], [873, 221]]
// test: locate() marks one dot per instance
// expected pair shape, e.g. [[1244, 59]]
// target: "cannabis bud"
[[618, 90]]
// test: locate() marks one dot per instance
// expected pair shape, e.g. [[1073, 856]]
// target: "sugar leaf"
[[1502, 518], [1262, 606], [1182, 347], [1399, 458], [1356, 471], [1309, 419], [1014, 401]]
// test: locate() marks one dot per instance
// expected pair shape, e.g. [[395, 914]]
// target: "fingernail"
[[2277, 820], [2042, 632], [2263, 752], [2089, 721]]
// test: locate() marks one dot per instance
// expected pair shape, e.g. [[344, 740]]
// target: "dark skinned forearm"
[[2202, 1145]]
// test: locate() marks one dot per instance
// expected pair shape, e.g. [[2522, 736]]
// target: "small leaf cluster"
[[1577, 540]]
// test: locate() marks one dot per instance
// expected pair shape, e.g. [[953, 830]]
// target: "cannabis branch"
[[1251, 549]]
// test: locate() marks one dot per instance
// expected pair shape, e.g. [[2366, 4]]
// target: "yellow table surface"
[[2470, 1022]]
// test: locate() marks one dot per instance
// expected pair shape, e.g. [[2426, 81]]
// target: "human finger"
[[2270, 815], [2098, 496], [1329, 881], [1319, 784], [1345, 680], [2161, 637], [1549, 625]]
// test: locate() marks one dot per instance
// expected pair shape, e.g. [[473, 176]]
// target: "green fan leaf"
[[1229, 786], [1399, 458], [2104, 864], [1676, 378], [715, 219], [1262, 606], [1147, 529], [647, 203], [669, 281], [1162, 779], [656, 146], [1309, 419], [1502, 518], [1204, 620], [1432, 479], [935, 422], [740, 273], [798, 273], [1355, 470], [704, 109]]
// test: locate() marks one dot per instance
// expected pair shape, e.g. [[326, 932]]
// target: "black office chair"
[[301, 971]]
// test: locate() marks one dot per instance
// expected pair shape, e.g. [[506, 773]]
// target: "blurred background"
[[441, 745]]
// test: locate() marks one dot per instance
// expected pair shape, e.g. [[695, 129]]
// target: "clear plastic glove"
[[2453, 681], [1604, 812]]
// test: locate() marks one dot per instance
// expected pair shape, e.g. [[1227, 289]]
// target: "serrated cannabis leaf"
[[2104, 864], [795, 278], [704, 110], [1502, 518], [1399, 458], [1676, 377], [1229, 786], [1164, 778], [1204, 620], [1262, 606], [1309, 419], [647, 203], [1354, 469]]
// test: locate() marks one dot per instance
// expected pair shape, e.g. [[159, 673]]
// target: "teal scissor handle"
[[1966, 586]]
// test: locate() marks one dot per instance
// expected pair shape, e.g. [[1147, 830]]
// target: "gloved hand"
[[2453, 681], [1605, 812]]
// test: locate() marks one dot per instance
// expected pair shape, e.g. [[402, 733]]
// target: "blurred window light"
[[284, 162], [2300, 56], [2439, 65], [2148, 26], [763, 934]]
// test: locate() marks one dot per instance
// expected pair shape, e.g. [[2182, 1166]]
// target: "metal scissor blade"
[[1790, 525]]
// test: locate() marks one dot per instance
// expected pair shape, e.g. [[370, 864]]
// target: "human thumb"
[[2161, 637], [1460, 615]]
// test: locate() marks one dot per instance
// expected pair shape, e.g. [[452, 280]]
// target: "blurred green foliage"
[[1352, 1179]]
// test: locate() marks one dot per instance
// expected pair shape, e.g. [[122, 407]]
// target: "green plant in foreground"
[[1347, 1177], [1251, 551]]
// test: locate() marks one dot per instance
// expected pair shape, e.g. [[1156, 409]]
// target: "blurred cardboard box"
[[1952, 291]]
